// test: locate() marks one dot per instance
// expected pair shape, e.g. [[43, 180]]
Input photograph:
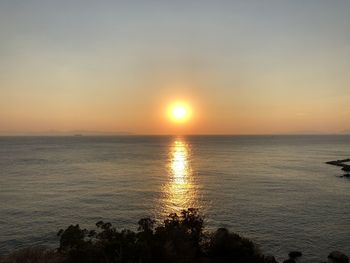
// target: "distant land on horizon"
[[124, 133], [346, 132], [65, 133]]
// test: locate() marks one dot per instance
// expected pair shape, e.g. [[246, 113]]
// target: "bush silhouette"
[[179, 238]]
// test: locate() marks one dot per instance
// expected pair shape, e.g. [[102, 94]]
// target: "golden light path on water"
[[181, 191]]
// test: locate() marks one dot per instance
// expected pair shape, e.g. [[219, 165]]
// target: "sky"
[[244, 67]]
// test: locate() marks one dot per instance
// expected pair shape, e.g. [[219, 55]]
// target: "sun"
[[179, 112]]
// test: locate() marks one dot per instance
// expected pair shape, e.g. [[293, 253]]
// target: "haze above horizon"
[[257, 67]]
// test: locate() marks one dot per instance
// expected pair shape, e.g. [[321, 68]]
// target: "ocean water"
[[275, 190]]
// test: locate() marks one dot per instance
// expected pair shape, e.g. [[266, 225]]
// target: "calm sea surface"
[[275, 190]]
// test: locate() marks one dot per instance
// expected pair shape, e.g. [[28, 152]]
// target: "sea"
[[274, 190]]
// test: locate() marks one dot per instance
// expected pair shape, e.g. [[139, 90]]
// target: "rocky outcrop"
[[346, 168], [338, 162], [341, 163], [338, 257]]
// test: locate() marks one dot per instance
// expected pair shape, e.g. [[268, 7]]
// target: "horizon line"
[[155, 134]]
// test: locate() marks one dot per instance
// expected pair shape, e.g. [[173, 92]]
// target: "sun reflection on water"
[[180, 192]]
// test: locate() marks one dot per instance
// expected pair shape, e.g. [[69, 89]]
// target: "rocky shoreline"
[[333, 257], [342, 163]]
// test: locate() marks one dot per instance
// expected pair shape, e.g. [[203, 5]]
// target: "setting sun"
[[179, 112]]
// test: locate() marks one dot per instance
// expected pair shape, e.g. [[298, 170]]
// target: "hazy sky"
[[246, 67]]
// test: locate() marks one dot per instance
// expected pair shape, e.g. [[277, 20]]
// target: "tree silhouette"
[[179, 238]]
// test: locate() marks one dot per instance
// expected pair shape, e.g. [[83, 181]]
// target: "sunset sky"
[[243, 67]]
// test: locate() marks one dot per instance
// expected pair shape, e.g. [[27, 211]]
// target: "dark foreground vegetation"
[[180, 238]]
